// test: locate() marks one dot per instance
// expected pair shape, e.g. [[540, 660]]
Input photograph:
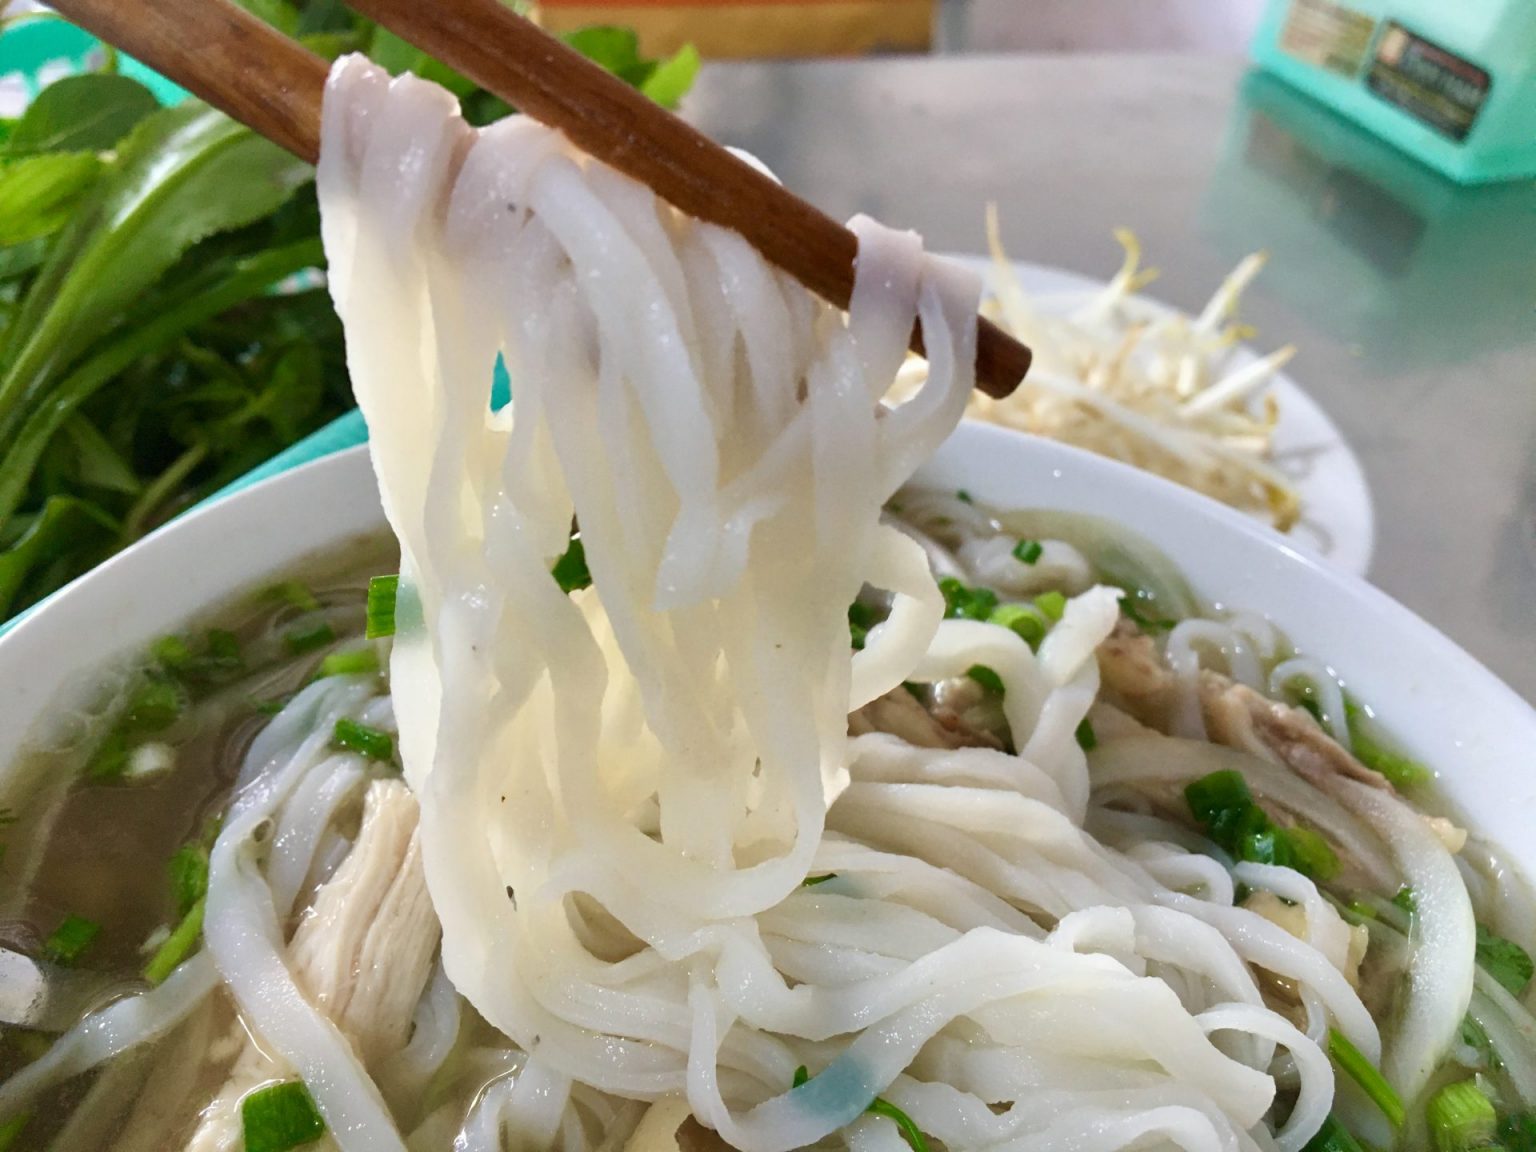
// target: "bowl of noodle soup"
[[711, 752]]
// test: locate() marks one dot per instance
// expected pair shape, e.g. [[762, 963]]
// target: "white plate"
[[1337, 521]]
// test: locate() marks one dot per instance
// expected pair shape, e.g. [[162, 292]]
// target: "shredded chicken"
[[1132, 669], [362, 953], [898, 713], [1239, 717]]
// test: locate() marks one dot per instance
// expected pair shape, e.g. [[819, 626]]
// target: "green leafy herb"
[[180, 944], [383, 593], [1406, 900], [70, 939], [812, 881], [1223, 805], [279, 1117], [1504, 960], [357, 662], [1087, 740], [156, 706], [987, 678], [1353, 1063], [1028, 551], [309, 636], [360, 738], [570, 571], [802, 1074], [963, 496], [1461, 1118], [1517, 1132]]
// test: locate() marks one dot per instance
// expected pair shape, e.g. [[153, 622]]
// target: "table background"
[[1412, 301]]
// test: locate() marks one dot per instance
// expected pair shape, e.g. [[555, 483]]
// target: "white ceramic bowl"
[[1443, 706]]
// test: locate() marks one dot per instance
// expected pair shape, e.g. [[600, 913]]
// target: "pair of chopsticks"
[[274, 85]]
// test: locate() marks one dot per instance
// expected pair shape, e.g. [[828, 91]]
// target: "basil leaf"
[[81, 114]]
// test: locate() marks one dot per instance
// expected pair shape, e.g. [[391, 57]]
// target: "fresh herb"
[[1461, 1118], [1504, 960], [156, 706], [1517, 1132], [987, 678], [356, 662], [1028, 551], [965, 603], [1401, 771], [1333, 1137], [360, 738], [180, 944], [812, 881], [1352, 1062], [279, 1117], [309, 636], [188, 868], [70, 939], [383, 594], [1025, 621], [1087, 740], [1475, 1036], [1222, 804], [145, 359], [879, 1106], [1406, 900], [570, 571]]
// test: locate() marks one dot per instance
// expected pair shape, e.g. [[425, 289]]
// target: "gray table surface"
[[1412, 300]]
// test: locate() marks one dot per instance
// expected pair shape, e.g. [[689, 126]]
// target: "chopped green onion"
[[307, 637], [70, 939], [356, 737], [1517, 1132], [1313, 854], [861, 618], [1146, 623], [156, 706], [177, 946], [273, 706], [1475, 1036], [1052, 604], [1461, 1118], [171, 653], [1087, 740], [110, 760], [1267, 845], [914, 1136], [1210, 796], [1333, 1137], [918, 692], [963, 496], [570, 571], [1309, 703], [1352, 1062], [1020, 619], [987, 678], [1504, 960], [294, 593], [1406, 900], [189, 876], [879, 1106], [383, 591], [357, 662], [963, 603], [221, 660], [279, 1117], [11, 1130], [1401, 771], [1028, 551], [812, 881]]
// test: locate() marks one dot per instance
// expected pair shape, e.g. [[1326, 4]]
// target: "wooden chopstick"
[[275, 86]]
